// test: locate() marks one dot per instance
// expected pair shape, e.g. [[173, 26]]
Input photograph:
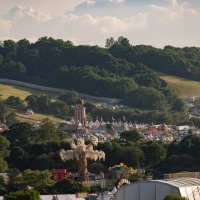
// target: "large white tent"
[[59, 197], [158, 189]]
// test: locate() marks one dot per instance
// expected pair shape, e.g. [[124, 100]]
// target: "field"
[[183, 87], [35, 117], [22, 92]]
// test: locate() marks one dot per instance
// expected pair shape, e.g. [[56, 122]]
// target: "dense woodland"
[[24, 149], [120, 70], [91, 69]]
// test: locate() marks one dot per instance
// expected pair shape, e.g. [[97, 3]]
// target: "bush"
[[23, 195], [174, 197]]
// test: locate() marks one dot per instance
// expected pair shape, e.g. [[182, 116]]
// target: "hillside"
[[183, 87], [120, 71], [22, 92], [7, 90]]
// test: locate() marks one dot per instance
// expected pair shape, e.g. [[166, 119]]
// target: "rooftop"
[[180, 182]]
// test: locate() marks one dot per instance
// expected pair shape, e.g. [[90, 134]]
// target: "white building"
[[158, 189]]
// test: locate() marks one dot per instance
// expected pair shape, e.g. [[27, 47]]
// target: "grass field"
[[35, 117], [183, 87], [22, 93]]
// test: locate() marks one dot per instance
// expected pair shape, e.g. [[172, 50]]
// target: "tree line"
[[120, 70], [31, 151]]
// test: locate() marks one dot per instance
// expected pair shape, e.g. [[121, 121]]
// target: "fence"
[[103, 183]]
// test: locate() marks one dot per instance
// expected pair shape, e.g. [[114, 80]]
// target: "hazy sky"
[[150, 22]]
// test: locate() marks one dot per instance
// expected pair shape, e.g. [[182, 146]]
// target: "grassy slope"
[[22, 92], [183, 87]]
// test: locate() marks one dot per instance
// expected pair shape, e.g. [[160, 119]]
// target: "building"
[[80, 112], [158, 189], [58, 174]]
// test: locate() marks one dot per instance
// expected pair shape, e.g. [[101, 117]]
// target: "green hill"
[[183, 87], [22, 92]]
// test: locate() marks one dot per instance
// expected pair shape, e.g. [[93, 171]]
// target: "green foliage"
[[4, 152], [132, 136], [7, 116], [23, 195], [121, 69], [95, 189], [84, 68], [58, 108], [109, 42], [4, 144], [134, 178], [96, 168], [45, 161], [154, 152], [18, 158], [32, 101], [14, 101], [174, 197], [14, 183], [49, 132], [145, 98], [89, 106], [19, 133], [44, 104], [40, 181], [69, 186], [132, 155], [182, 155], [70, 98]]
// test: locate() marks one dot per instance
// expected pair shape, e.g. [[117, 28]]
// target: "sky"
[[90, 22]]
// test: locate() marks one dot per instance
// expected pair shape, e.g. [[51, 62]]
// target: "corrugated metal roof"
[[158, 189], [180, 182], [60, 197]]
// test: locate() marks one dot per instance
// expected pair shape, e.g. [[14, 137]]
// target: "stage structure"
[[81, 152]]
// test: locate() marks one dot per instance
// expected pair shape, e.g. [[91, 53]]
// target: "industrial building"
[[158, 189]]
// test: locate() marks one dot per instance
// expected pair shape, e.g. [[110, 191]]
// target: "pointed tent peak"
[[163, 126], [29, 111]]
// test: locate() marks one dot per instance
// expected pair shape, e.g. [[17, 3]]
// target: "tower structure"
[[80, 112], [81, 152]]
